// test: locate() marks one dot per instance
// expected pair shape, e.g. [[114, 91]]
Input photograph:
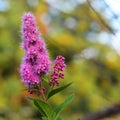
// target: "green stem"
[[51, 88], [42, 93]]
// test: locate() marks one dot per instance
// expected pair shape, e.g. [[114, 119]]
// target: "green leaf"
[[58, 118], [43, 108], [53, 92], [29, 99], [44, 118], [45, 78], [32, 88], [39, 107], [63, 105]]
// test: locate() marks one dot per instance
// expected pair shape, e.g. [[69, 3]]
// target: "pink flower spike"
[[57, 73], [36, 61]]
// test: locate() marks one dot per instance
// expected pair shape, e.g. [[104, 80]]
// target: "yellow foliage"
[[41, 8], [58, 99], [112, 60], [64, 39], [82, 26], [3, 102]]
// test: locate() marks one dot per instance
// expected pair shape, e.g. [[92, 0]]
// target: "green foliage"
[[44, 108], [57, 90], [63, 105], [47, 112], [29, 99]]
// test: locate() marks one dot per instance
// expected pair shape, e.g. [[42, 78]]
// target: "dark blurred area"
[[82, 31]]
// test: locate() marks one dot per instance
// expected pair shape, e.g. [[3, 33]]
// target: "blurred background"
[[86, 32]]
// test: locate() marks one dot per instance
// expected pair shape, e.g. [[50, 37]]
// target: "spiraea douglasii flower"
[[36, 61], [35, 69]]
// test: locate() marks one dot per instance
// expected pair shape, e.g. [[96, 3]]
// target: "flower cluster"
[[35, 67], [36, 61], [57, 73]]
